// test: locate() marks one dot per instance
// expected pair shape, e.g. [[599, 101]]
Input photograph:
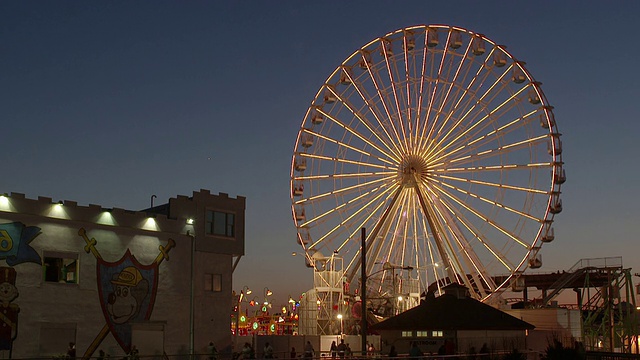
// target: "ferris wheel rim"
[[393, 151]]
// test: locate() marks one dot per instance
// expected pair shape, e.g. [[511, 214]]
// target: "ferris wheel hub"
[[412, 168]]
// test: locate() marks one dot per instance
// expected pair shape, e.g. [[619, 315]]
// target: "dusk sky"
[[111, 102]]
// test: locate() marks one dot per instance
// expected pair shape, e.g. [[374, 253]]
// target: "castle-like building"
[[110, 280]]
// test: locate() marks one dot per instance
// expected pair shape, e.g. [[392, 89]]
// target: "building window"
[[422, 333], [407, 334], [60, 268], [437, 333], [220, 223], [213, 282]]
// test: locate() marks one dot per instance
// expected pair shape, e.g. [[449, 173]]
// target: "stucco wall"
[[53, 314]]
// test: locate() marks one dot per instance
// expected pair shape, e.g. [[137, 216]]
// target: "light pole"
[[292, 304], [363, 290], [341, 326], [267, 293], [191, 293], [245, 290]]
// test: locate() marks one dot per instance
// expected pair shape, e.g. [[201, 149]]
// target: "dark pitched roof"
[[451, 312]]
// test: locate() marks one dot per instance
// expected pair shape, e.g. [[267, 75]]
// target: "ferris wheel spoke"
[[371, 71], [446, 82], [344, 190], [348, 128], [362, 209], [488, 201], [436, 233], [477, 235], [423, 70], [380, 242], [398, 224], [371, 238], [477, 78], [479, 104], [469, 90], [383, 246], [340, 207], [355, 133], [383, 226], [394, 90], [433, 94], [476, 124], [438, 226], [344, 175], [346, 161], [421, 244], [489, 221], [429, 253], [408, 83], [389, 142], [346, 146], [499, 151], [475, 267], [492, 184], [494, 135], [469, 156], [352, 237], [446, 96]]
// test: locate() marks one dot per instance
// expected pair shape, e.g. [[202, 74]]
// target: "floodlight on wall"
[[106, 218], [4, 202], [150, 224], [57, 211], [190, 221]]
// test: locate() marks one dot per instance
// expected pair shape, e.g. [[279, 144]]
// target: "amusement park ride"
[[252, 317], [440, 143]]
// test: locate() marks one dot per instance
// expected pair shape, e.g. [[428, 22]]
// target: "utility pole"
[[363, 291]]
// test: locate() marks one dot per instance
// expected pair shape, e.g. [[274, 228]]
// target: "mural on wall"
[[127, 292], [8, 310], [15, 239]]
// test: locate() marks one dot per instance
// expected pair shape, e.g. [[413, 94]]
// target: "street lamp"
[[245, 291], [292, 304], [341, 326], [253, 301], [267, 293]]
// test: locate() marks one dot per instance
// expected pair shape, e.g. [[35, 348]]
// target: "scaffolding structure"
[[328, 283], [605, 296], [610, 318]]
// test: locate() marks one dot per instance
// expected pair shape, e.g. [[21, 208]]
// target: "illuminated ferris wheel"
[[443, 146]]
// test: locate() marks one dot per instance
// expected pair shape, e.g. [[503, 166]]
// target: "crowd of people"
[[341, 351]]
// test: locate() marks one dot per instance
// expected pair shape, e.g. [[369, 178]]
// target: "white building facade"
[[111, 279]]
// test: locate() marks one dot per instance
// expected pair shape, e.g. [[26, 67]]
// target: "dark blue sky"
[[111, 102]]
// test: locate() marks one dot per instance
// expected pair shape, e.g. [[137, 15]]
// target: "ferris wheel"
[[442, 145]]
